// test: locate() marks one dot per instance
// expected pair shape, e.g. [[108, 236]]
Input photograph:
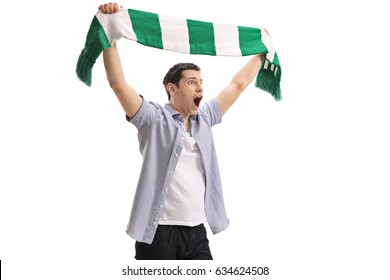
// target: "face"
[[187, 96]]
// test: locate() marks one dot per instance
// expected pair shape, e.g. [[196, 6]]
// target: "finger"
[[111, 8], [105, 8], [115, 7]]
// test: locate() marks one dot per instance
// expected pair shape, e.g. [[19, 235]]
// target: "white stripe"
[[174, 34], [266, 64], [117, 26], [226, 40], [266, 39]]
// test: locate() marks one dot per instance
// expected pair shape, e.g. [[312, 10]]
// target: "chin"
[[194, 112]]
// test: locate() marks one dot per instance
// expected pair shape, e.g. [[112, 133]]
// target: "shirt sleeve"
[[145, 115], [211, 111]]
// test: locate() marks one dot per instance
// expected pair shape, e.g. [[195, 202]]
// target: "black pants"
[[176, 243]]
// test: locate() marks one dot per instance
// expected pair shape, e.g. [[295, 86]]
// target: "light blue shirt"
[[161, 137]]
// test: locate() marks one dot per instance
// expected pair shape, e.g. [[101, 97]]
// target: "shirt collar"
[[173, 112], [170, 109]]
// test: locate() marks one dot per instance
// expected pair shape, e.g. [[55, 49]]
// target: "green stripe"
[[276, 60], [147, 28], [96, 40], [95, 43], [250, 41], [201, 36]]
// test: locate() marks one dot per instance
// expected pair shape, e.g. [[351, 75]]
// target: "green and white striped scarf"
[[180, 35]]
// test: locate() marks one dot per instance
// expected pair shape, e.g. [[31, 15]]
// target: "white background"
[[305, 180]]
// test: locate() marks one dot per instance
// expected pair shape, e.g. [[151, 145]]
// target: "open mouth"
[[197, 100]]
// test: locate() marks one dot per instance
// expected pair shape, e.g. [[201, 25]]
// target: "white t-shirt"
[[184, 204]]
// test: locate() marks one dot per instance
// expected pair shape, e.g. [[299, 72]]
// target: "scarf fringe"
[[267, 81], [84, 69]]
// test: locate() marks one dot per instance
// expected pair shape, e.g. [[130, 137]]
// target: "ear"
[[171, 88]]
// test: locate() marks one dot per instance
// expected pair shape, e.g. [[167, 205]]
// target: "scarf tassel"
[[269, 82]]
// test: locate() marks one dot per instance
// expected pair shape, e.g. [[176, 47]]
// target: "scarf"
[[180, 35]]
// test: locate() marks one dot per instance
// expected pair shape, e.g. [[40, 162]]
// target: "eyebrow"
[[193, 78]]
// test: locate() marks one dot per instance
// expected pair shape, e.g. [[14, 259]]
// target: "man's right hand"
[[109, 8]]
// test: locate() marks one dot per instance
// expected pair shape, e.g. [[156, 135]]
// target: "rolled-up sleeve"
[[145, 115], [212, 112]]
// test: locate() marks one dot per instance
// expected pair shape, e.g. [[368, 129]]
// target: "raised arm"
[[127, 96], [240, 81]]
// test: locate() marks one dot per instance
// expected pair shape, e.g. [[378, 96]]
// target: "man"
[[179, 188]]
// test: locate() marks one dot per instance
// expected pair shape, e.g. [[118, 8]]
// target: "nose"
[[199, 88]]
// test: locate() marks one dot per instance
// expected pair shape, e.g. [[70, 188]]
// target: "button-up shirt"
[[161, 136]]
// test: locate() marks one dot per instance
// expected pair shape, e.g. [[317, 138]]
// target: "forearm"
[[246, 75], [240, 81], [113, 66]]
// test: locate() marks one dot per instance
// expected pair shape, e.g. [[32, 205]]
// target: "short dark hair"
[[174, 74]]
